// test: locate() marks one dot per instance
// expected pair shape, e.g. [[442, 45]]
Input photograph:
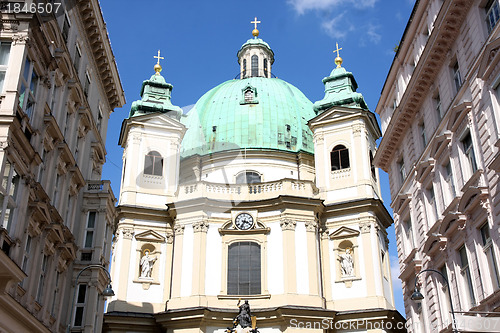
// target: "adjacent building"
[[440, 117], [255, 194], [58, 86]]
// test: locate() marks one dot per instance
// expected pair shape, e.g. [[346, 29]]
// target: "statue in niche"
[[147, 263], [346, 263]]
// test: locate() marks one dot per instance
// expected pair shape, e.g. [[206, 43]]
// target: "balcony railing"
[[247, 192]]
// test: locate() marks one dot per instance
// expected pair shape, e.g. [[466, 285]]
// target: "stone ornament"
[[288, 224]]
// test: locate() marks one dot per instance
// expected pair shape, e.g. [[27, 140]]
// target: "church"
[[256, 199]]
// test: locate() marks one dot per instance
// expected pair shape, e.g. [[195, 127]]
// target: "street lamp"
[[417, 295], [108, 291]]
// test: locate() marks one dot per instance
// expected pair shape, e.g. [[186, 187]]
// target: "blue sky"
[[199, 40]]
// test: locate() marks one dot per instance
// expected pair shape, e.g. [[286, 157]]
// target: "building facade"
[[440, 117], [255, 194], [58, 86]]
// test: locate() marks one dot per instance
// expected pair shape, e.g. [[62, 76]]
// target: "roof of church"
[[255, 42], [254, 112]]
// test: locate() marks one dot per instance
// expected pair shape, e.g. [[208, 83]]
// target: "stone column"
[[200, 230], [168, 266], [312, 253], [177, 261], [289, 258], [122, 276], [325, 266]]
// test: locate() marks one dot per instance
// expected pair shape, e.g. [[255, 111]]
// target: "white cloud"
[[332, 27], [301, 6], [372, 33]]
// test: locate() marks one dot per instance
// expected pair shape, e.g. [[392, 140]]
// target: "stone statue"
[[147, 263], [346, 263]]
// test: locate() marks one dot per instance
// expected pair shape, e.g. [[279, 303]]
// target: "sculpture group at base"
[[244, 322]]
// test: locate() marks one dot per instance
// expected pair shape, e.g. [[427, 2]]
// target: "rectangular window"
[[457, 78], [27, 92], [26, 257], [469, 152], [465, 271], [490, 255], [4, 61], [409, 234], [244, 269], [431, 196], [86, 85], [77, 58], [65, 28], [54, 295], [492, 14], [41, 279], [437, 104], [56, 190], [80, 305], [402, 169], [99, 118], [448, 178], [8, 193], [421, 129], [89, 231]]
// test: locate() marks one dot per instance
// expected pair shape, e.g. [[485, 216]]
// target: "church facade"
[[258, 195]]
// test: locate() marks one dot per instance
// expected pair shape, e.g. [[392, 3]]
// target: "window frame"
[[159, 164], [26, 79], [469, 152], [9, 189], [457, 77], [254, 61], [246, 173], [490, 9], [257, 282], [489, 252], [344, 161], [465, 271], [80, 304], [4, 67]]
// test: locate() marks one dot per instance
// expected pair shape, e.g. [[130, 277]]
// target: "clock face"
[[244, 221]]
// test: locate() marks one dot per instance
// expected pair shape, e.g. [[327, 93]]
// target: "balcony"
[[94, 186], [248, 192]]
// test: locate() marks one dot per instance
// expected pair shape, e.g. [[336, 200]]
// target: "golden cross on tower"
[[158, 57], [255, 32], [338, 60], [158, 66]]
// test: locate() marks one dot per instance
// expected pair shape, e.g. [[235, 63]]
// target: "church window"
[[153, 164], [248, 177], [255, 66], [244, 269], [339, 158], [265, 68], [244, 68]]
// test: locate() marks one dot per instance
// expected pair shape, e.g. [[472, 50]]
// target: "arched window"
[[255, 66], [249, 96], [248, 177], [372, 166], [153, 164], [339, 158], [265, 67], [243, 269], [244, 68]]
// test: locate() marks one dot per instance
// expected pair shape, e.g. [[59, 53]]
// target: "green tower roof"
[[340, 90], [155, 97], [249, 113]]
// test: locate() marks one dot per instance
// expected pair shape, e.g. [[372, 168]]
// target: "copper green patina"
[[340, 90], [260, 113], [155, 97]]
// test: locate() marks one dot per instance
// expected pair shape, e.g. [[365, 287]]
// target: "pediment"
[[459, 113], [344, 232], [334, 114], [158, 119], [490, 59], [150, 236]]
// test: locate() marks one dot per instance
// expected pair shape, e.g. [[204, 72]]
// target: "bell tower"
[[151, 137], [354, 238]]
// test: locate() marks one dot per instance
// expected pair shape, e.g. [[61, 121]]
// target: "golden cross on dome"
[[255, 22], [338, 60], [158, 57]]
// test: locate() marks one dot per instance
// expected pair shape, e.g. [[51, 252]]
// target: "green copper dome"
[[255, 112]]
